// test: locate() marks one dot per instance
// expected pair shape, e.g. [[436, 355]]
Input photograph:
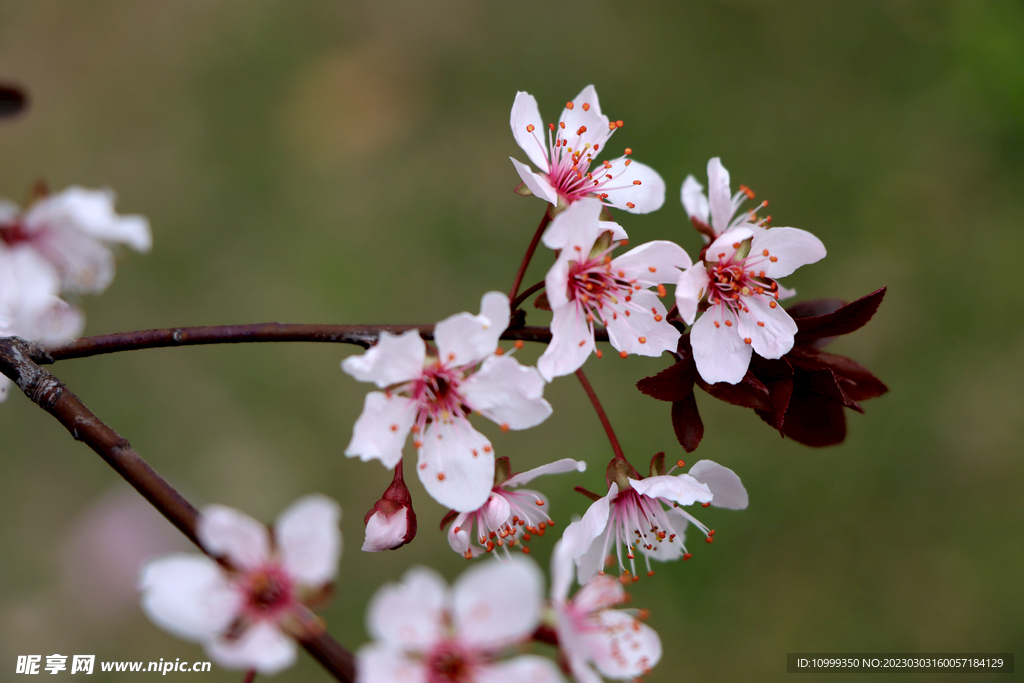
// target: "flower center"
[[640, 522], [734, 279], [437, 391], [449, 663], [593, 286], [268, 591], [13, 234], [528, 518]]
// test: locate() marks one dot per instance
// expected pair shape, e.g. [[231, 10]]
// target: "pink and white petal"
[[309, 540], [774, 338], [682, 489], [458, 534], [601, 592], [226, 532], [572, 342], [92, 213], [653, 263], [262, 647], [189, 596], [579, 535], [463, 338], [530, 668], [85, 263], [562, 571], [792, 247], [456, 465], [785, 292], [410, 614], [392, 360], [724, 247], [525, 113], [556, 467], [556, 282], [382, 428], [380, 663], [497, 603], [725, 484], [694, 200], [645, 309], [496, 511], [385, 532], [590, 116], [57, 322], [579, 665], [507, 393], [538, 183], [627, 649], [719, 196], [720, 353], [577, 228], [690, 289], [646, 197]]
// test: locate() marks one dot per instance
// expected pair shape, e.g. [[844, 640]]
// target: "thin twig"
[[529, 255], [50, 394], [600, 414], [526, 295]]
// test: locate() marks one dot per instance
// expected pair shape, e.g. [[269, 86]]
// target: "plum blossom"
[[568, 171], [590, 631], [245, 617], [391, 522], [74, 231], [509, 517], [735, 285], [586, 285], [432, 392], [715, 213], [633, 515], [425, 632]]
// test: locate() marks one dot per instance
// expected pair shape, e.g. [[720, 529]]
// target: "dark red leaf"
[[814, 308], [826, 383], [777, 376], [842, 321], [448, 517], [674, 383], [687, 423], [815, 420], [749, 393], [12, 100], [856, 380], [541, 302]]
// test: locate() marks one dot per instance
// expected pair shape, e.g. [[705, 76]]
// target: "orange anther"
[[581, 130], [747, 191], [716, 323], [687, 556], [569, 105], [529, 128], [657, 318], [650, 573], [622, 354], [440, 476], [764, 253], [518, 344], [586, 107], [619, 124], [728, 323], [772, 304], [487, 448], [499, 351], [735, 245], [598, 352], [504, 426], [705, 504], [662, 292], [526, 550], [710, 539], [394, 428], [636, 182], [746, 340], [652, 269], [711, 533], [773, 259], [643, 340], [551, 126], [629, 151], [760, 324], [628, 162], [561, 124]]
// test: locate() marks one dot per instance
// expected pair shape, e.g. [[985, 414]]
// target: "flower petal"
[[682, 489], [792, 247], [410, 615], [625, 648], [590, 116], [646, 197], [507, 393], [725, 485], [188, 595], [458, 535], [690, 289], [625, 331], [720, 353], [653, 263], [456, 465], [463, 338], [719, 196], [694, 200], [539, 185], [262, 646], [572, 342], [723, 247], [530, 668], [562, 566], [577, 228], [525, 113], [382, 428], [393, 359], [770, 330], [556, 467], [226, 532], [384, 532], [497, 603], [380, 663], [92, 213], [309, 539], [601, 592]]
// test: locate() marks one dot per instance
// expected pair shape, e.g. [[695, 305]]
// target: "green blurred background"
[[339, 162]]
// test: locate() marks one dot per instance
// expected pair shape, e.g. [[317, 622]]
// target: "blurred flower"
[[565, 159], [432, 393], [801, 394], [715, 213], [508, 517], [391, 522], [735, 286], [74, 230], [586, 285], [632, 514], [590, 631], [425, 632], [245, 616]]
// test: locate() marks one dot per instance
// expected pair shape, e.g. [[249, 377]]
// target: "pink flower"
[[391, 522], [432, 394], [715, 213], [426, 633], [74, 231], [633, 516], [586, 285], [590, 631], [508, 517], [245, 617], [568, 170], [735, 287]]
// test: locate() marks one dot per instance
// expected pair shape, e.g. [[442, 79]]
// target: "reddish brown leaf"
[[842, 321], [674, 383], [687, 423]]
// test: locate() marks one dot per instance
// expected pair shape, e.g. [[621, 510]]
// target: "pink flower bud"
[[391, 522]]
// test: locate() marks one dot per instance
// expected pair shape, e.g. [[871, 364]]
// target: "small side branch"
[[592, 395]]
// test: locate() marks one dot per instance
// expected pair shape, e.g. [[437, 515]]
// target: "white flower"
[[508, 517], [74, 231], [426, 633], [591, 631], [633, 516], [736, 279], [566, 160], [242, 617], [433, 393], [715, 213], [586, 285]]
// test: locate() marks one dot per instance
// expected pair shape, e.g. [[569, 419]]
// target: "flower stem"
[[53, 396], [250, 676], [526, 295], [529, 255], [600, 414]]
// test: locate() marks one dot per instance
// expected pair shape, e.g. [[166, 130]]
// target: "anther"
[[622, 354], [773, 259], [650, 573], [662, 292], [394, 428], [586, 107], [711, 533], [487, 448], [687, 556], [760, 323], [735, 245], [619, 124], [504, 426], [628, 162], [629, 151], [636, 182], [499, 351], [518, 344], [764, 253], [710, 539], [705, 504], [772, 304], [643, 340], [551, 126], [581, 130], [746, 340], [529, 128], [716, 323], [561, 124], [629, 205], [440, 476], [598, 352], [728, 323], [657, 318], [569, 105], [747, 191], [604, 195]]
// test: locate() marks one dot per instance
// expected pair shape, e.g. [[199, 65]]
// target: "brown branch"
[[605, 422], [526, 295], [529, 255], [360, 335], [50, 394]]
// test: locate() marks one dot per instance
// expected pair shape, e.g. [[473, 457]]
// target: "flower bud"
[[391, 522]]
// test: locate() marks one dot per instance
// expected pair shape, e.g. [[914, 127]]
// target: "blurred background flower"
[[288, 154]]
